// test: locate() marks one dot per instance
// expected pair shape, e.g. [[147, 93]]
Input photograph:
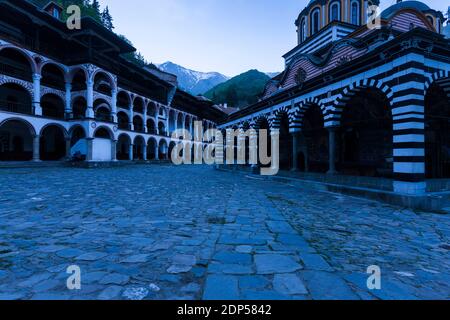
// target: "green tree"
[[232, 96], [96, 7], [107, 19]]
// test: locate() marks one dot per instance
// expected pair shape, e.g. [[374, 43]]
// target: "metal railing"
[[16, 72], [16, 107], [104, 118]]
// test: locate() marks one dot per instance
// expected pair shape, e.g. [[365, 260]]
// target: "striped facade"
[[401, 68]]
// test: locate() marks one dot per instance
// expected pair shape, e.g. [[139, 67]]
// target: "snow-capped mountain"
[[194, 82]]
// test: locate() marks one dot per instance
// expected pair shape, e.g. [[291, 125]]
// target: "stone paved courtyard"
[[161, 232]]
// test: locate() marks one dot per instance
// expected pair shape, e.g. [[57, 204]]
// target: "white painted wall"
[[101, 150]]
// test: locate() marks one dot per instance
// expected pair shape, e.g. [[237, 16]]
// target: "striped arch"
[[45, 62], [24, 53], [257, 121], [73, 71], [276, 118], [245, 125], [441, 78], [58, 93], [30, 126], [333, 114], [299, 111], [60, 126], [24, 84], [252, 124], [112, 79]]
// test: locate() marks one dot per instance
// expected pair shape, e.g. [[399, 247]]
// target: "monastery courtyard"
[[191, 232]]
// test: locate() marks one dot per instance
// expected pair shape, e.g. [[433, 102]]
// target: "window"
[[335, 11], [303, 30], [56, 13], [355, 13], [315, 21], [430, 19]]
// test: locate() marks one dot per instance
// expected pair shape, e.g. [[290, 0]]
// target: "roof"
[[52, 3], [225, 109], [420, 6]]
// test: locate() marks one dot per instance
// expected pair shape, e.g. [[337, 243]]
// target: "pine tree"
[[96, 7], [107, 19]]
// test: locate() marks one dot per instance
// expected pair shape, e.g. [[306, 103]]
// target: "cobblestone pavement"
[[154, 232]]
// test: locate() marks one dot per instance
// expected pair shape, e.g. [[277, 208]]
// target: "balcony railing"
[[15, 107], [104, 118], [139, 129], [125, 126], [14, 71]]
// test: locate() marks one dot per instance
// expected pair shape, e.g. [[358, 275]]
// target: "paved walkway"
[[153, 232]]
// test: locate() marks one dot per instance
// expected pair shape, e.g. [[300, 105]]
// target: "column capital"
[[37, 76]]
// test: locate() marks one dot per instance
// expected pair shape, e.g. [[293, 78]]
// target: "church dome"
[[420, 6], [434, 17]]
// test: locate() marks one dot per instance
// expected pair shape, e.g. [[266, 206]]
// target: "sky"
[[227, 36]]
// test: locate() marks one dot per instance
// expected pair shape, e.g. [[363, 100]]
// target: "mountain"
[[272, 74], [194, 82], [239, 91]]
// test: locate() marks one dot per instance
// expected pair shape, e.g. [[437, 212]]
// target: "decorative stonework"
[[59, 93], [25, 84], [76, 94], [300, 77], [98, 95], [90, 70]]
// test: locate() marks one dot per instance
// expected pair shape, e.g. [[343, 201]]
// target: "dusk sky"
[[228, 36]]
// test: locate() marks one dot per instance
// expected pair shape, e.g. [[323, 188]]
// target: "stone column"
[[114, 150], [409, 147], [131, 117], [305, 152], [144, 152], [131, 155], [68, 149], [36, 148], [253, 149], [90, 99], [145, 128], [295, 140], [68, 100], [114, 105], [157, 152], [37, 110], [332, 150]]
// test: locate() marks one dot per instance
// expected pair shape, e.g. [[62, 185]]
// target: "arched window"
[[303, 30], [355, 13], [430, 19], [335, 10], [315, 21]]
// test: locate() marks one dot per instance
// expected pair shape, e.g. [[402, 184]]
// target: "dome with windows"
[[320, 13]]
